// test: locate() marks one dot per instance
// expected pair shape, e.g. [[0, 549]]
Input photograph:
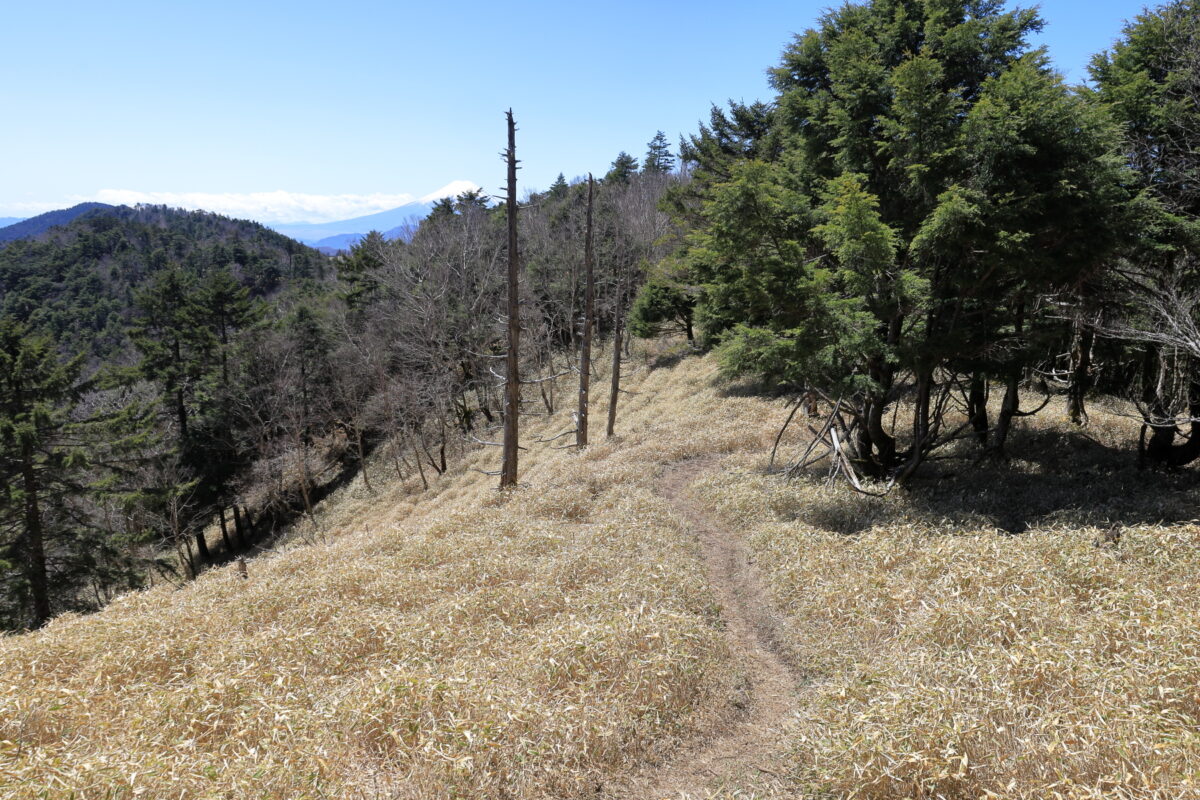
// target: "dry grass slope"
[[459, 643], [965, 639]]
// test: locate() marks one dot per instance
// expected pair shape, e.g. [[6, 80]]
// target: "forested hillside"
[[77, 281], [169, 373], [34, 226]]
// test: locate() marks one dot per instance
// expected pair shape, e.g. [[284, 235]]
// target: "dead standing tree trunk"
[[589, 312], [615, 392], [512, 377]]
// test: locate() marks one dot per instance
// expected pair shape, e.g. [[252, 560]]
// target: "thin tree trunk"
[[921, 430], [1012, 394], [362, 458], [1081, 372], [615, 389], [429, 456], [396, 459], [202, 547], [442, 451], [977, 406], [308, 506], [35, 547], [183, 549], [1008, 409], [420, 466], [181, 414], [589, 310], [882, 375], [241, 524], [512, 387], [225, 531]]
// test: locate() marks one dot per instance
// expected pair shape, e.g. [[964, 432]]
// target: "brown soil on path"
[[744, 757]]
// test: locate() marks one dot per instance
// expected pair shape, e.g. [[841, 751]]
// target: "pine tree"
[[899, 212], [224, 307], [169, 331], [359, 269], [658, 160], [1150, 83], [558, 189], [623, 168], [39, 466]]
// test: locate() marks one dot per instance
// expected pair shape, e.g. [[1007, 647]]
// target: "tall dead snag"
[[512, 377], [618, 320], [589, 311]]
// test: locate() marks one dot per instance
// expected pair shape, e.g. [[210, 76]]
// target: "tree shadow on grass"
[[1053, 478], [1059, 478]]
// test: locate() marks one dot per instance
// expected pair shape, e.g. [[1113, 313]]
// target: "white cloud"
[[452, 189], [277, 206]]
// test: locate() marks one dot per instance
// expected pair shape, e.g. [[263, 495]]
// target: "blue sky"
[[315, 111]]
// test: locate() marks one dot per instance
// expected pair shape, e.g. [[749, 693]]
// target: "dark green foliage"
[[658, 156], [66, 453], [623, 168], [920, 182], [77, 282], [661, 306], [558, 189], [357, 269], [1150, 83]]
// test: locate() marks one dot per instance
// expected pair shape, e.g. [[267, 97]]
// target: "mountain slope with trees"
[[242, 375], [35, 226]]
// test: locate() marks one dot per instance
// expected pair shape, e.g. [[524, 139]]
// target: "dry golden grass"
[[459, 643], [969, 639], [963, 639]]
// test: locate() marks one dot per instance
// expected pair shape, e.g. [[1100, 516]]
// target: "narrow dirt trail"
[[743, 759]]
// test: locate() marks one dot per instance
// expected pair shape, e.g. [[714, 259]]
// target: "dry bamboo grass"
[[982, 636], [966, 638], [460, 643]]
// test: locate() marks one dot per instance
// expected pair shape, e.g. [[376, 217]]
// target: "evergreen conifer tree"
[[623, 168], [659, 159]]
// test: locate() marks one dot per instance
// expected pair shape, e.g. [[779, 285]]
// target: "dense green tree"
[[173, 340], [224, 307], [1150, 82], [558, 189], [356, 269], [40, 468], [658, 158], [922, 180], [661, 305], [624, 166]]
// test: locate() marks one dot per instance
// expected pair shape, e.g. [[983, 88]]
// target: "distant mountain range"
[[344, 234], [34, 226], [328, 237]]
